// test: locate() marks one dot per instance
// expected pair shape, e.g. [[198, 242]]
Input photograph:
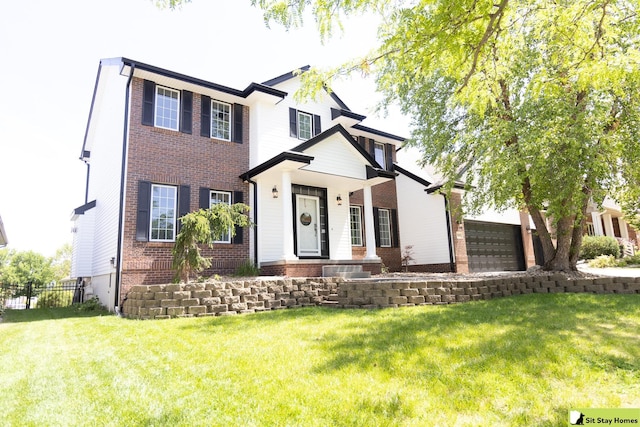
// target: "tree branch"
[[494, 21]]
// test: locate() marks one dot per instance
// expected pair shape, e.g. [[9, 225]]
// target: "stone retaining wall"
[[397, 293], [225, 298], [250, 296]]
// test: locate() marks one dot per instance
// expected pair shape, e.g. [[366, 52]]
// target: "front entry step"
[[345, 271]]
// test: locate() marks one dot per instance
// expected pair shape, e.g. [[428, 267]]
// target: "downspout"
[[125, 140], [86, 191], [449, 236]]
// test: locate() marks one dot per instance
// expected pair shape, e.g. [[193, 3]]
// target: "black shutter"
[[376, 225], [186, 114], [205, 117], [395, 236], [293, 122], [362, 142], [316, 125], [184, 200], [237, 123], [205, 198], [388, 148], [144, 205], [238, 197], [148, 102]]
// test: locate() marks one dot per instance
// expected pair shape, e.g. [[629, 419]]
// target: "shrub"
[[247, 269], [49, 299], [603, 261], [92, 304], [594, 246]]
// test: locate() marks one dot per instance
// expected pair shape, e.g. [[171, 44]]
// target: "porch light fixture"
[[339, 200], [274, 192]]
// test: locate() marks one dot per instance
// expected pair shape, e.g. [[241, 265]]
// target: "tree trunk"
[[562, 259]]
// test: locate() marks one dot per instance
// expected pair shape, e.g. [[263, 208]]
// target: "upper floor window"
[[220, 120], [163, 213], [215, 198], [379, 154], [167, 108], [303, 125]]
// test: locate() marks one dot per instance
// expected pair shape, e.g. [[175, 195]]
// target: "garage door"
[[494, 247]]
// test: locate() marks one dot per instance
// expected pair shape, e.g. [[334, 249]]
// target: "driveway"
[[616, 272]]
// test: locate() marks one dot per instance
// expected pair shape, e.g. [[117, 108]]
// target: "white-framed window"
[[221, 197], [378, 151], [305, 125], [220, 120], [167, 108], [384, 221], [355, 215], [163, 213]]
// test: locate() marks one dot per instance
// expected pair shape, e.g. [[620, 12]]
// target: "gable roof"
[[298, 155], [242, 93], [294, 73]]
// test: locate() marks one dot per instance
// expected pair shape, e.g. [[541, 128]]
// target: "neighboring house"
[[159, 144], [608, 220], [3, 235]]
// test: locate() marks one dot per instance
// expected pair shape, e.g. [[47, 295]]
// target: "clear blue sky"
[[49, 59]]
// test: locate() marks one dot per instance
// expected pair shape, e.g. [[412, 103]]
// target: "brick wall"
[[382, 196], [170, 157]]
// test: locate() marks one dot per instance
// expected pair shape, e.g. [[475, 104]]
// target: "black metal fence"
[[24, 297]]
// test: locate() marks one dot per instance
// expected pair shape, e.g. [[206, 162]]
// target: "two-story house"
[[159, 144]]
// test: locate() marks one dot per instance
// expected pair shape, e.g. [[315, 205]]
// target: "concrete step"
[[337, 270], [355, 275]]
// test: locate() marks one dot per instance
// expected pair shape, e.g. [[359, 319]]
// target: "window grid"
[[163, 209], [356, 225], [379, 154], [217, 197], [167, 105], [385, 227], [304, 125], [220, 120]]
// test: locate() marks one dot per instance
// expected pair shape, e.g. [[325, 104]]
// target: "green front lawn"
[[522, 360]]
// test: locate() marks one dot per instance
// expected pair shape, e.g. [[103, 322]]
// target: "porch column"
[[369, 224], [597, 224], [624, 230], [608, 225], [287, 217]]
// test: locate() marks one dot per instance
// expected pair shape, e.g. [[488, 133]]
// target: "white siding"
[[83, 239], [339, 226], [422, 222], [104, 288], [270, 123], [509, 216], [269, 223], [105, 143], [335, 156]]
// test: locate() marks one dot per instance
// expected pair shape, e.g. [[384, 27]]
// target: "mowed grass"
[[522, 360]]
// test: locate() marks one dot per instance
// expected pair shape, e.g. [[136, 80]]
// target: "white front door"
[[308, 225]]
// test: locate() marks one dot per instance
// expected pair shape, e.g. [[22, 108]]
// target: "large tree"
[[535, 102]]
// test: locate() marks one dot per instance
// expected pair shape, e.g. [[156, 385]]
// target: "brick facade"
[[382, 196], [169, 157]]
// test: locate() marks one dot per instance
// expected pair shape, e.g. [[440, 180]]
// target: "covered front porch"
[[302, 214]]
